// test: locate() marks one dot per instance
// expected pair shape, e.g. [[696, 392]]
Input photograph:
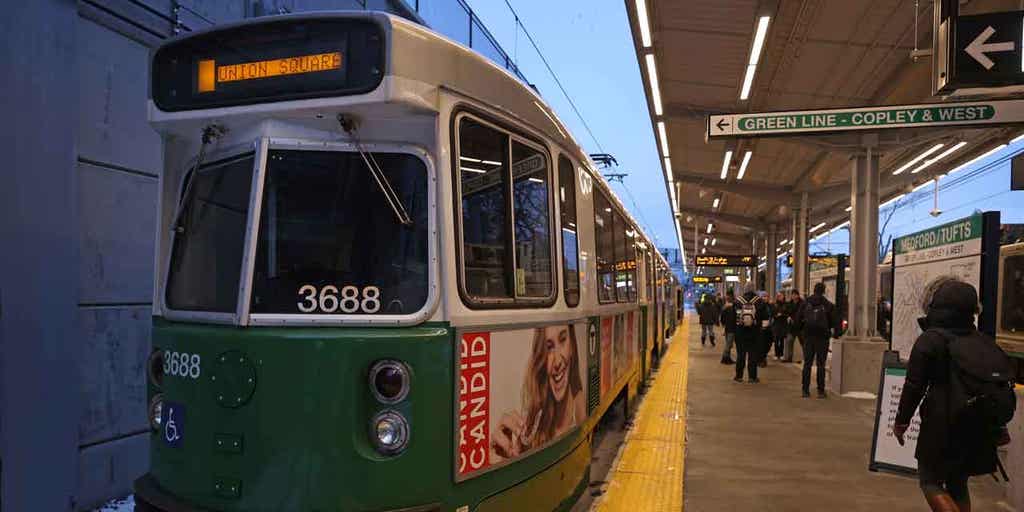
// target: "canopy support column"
[[770, 270], [857, 357], [800, 227]]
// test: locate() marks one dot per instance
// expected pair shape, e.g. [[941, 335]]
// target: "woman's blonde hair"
[[541, 414]]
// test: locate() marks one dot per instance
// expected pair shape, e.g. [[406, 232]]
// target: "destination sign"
[[707, 279], [724, 261], [208, 73], [868, 118]]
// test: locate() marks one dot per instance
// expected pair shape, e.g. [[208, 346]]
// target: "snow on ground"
[[126, 504]]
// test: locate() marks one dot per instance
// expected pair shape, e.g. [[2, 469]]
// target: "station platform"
[[703, 443]]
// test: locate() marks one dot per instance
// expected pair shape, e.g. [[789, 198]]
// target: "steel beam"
[[714, 216], [752, 189]]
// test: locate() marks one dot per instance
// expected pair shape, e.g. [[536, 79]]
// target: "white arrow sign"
[[979, 47]]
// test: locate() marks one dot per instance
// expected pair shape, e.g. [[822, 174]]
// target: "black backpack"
[[981, 397], [816, 318]]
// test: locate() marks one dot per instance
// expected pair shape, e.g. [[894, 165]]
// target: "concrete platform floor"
[[761, 447]]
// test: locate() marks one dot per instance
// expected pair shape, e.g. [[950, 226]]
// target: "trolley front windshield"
[[329, 241], [209, 237]]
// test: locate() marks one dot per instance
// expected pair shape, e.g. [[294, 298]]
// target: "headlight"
[[389, 431], [156, 368], [156, 409], [389, 381]]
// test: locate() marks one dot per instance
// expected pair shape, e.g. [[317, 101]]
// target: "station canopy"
[[695, 57]]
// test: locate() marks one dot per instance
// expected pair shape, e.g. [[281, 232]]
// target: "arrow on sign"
[[979, 47], [722, 124]]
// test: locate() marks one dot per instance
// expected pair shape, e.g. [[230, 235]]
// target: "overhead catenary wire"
[[551, 71]]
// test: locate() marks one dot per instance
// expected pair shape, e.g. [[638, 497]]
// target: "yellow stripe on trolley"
[[649, 473]]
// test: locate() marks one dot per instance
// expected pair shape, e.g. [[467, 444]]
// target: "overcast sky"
[[589, 45]]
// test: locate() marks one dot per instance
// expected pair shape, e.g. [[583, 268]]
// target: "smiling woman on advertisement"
[[552, 396]]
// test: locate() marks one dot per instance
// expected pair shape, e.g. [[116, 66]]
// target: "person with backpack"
[[817, 321], [966, 383], [751, 320], [728, 320], [708, 312]]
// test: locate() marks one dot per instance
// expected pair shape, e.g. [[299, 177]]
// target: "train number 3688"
[[350, 299], [181, 364]]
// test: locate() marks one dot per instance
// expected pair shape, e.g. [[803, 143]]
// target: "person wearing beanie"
[[944, 357]]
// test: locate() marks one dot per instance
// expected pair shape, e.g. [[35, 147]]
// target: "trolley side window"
[[329, 242], [570, 241], [209, 237], [532, 232], [604, 226], [504, 192], [1012, 300]]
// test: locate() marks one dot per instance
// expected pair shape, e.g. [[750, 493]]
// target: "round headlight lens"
[[156, 368], [389, 431], [389, 381], [156, 410]]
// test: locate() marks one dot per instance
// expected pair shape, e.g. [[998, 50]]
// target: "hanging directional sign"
[[724, 261], [808, 122], [983, 50]]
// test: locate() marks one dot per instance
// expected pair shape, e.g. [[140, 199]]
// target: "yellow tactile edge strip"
[[647, 474]]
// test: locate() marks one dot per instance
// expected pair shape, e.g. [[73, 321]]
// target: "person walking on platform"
[[780, 323], [817, 321], [708, 312], [794, 330], [751, 319], [728, 321], [966, 383]]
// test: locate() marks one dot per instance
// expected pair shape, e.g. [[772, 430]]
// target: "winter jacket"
[[780, 320], [928, 378], [801, 320], [708, 312], [728, 317], [792, 308], [760, 320]]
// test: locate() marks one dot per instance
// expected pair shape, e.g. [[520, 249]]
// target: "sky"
[[589, 45]]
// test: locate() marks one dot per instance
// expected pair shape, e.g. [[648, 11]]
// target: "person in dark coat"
[[943, 469], [780, 323], [748, 338], [816, 336], [794, 330], [766, 332], [708, 312], [728, 320]]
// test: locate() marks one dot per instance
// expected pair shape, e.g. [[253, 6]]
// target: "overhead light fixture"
[[743, 165], [725, 163], [924, 185], [715, 203], [710, 227], [703, 251], [783, 242], [815, 228], [978, 159], [755, 55], [668, 169], [641, 19], [714, 241], [849, 208], [664, 138], [705, 242], [938, 157], [918, 158], [1017, 138], [471, 169], [652, 77], [468, 159]]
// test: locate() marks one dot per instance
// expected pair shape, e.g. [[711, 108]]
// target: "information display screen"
[[275, 61], [724, 261], [707, 279]]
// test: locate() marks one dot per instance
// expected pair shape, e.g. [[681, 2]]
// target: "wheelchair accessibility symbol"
[[174, 423]]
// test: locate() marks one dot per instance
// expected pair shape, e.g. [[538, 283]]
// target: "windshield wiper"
[[348, 124], [210, 133]]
